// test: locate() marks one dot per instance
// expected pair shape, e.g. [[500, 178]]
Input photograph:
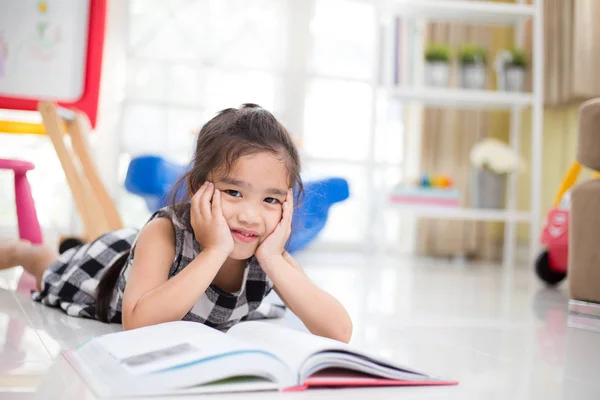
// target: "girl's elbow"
[[343, 328], [129, 317], [344, 332], [135, 317], [139, 319], [132, 320], [128, 323]]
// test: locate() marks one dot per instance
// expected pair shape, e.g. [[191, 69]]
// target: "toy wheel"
[[545, 272]]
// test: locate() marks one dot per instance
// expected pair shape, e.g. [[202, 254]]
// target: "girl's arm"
[[322, 313], [150, 296]]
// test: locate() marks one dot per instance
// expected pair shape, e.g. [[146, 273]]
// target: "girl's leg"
[[34, 258]]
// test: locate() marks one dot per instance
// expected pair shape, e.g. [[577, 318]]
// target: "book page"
[[298, 349], [294, 347], [169, 357], [168, 345], [246, 370]]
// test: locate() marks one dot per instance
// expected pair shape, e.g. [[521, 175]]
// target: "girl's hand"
[[272, 246], [209, 224]]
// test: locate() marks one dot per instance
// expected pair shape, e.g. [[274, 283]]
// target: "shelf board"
[[474, 12], [456, 213], [462, 98]]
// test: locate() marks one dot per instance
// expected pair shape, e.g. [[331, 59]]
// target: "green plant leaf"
[[437, 52], [519, 58], [472, 54]]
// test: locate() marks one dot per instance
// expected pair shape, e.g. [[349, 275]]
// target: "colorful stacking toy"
[[436, 190]]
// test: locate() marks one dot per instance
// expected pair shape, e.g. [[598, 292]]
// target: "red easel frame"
[[88, 103]]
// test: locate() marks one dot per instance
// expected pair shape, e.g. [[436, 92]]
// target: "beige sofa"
[[584, 220]]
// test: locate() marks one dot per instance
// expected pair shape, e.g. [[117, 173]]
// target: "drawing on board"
[[45, 45], [48, 43]]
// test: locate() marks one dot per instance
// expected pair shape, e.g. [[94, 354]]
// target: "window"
[[308, 61], [337, 119], [343, 41], [189, 59], [186, 61]]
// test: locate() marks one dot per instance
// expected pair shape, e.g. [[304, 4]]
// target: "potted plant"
[[473, 66], [511, 68], [514, 70], [492, 161], [437, 60]]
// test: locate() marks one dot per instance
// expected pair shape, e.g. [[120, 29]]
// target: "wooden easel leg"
[[77, 130], [87, 204]]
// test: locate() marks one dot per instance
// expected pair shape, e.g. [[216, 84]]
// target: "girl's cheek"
[[273, 220], [227, 207]]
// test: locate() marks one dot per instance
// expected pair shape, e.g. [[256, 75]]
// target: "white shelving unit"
[[471, 12], [462, 98], [475, 12], [464, 213]]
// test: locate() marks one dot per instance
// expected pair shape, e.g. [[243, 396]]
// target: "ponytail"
[[106, 286]]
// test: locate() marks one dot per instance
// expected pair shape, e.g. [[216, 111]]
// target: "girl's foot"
[[9, 250]]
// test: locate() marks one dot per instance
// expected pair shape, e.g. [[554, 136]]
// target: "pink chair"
[[29, 226]]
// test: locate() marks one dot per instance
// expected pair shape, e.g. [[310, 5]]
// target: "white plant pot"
[[514, 79], [473, 76], [488, 189], [437, 73]]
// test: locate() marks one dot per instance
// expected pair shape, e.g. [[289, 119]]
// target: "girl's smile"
[[244, 236], [253, 193]]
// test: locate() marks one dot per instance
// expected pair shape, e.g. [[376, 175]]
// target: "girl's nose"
[[248, 219], [249, 215]]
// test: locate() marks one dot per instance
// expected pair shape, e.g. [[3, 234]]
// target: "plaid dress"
[[71, 281]]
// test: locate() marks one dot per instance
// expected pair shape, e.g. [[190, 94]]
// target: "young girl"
[[210, 259]]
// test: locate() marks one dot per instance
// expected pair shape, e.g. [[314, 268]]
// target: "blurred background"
[[453, 125], [326, 68]]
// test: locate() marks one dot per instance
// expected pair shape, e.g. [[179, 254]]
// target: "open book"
[[189, 357]]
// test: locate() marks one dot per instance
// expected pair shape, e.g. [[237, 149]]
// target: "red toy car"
[[551, 264]]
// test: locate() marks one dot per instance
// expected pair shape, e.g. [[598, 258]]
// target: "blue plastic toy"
[[152, 178], [311, 215]]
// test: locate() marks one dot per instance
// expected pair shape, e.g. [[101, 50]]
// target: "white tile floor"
[[502, 335]]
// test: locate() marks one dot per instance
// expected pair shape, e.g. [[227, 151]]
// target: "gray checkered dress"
[[71, 281]]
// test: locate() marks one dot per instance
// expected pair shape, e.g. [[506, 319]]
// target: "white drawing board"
[[43, 47]]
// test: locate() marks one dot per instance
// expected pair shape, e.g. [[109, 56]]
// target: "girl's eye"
[[272, 200], [233, 193]]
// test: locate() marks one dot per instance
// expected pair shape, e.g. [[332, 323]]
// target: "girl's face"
[[252, 197]]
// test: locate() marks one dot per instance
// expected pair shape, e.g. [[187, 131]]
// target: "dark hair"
[[105, 288], [231, 134]]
